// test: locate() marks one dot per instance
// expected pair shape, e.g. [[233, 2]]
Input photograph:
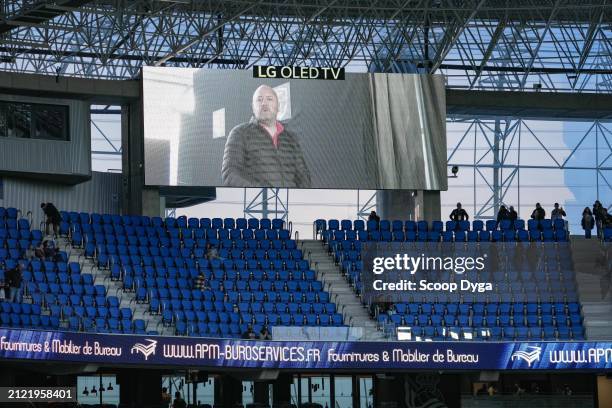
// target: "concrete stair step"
[[340, 290]]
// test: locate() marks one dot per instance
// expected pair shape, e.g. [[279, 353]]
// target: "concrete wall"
[[101, 194], [44, 158]]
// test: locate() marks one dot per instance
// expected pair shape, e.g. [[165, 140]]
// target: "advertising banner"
[[295, 355]]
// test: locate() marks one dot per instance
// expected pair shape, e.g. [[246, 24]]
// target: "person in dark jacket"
[[588, 222], [179, 402], [598, 215], [557, 212], [459, 214], [512, 214], [502, 214], [14, 278], [538, 213], [249, 334], [374, 217], [264, 152], [53, 217]]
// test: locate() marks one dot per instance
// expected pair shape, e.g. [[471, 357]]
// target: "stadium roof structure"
[[549, 45]]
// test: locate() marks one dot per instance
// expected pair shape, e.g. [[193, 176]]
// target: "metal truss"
[[364, 209], [497, 159], [553, 45], [267, 203]]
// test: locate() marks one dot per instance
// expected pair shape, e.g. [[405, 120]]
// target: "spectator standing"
[[512, 214], [179, 402], [374, 217], [53, 217], [459, 214], [597, 214], [557, 213], [588, 222], [14, 279], [538, 213], [165, 397], [502, 214]]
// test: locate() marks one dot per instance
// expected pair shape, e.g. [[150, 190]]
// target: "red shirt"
[[279, 129]]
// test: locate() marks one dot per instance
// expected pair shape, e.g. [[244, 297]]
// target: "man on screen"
[[263, 152]]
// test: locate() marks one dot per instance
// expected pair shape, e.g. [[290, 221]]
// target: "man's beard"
[[267, 120]]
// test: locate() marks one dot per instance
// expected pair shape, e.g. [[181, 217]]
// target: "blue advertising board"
[[108, 349]]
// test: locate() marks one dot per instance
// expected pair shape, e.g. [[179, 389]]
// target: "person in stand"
[[249, 334], [538, 213], [200, 282], [597, 214], [179, 402], [512, 214], [374, 217], [459, 214], [50, 251], [482, 390], [3, 288], [588, 222], [502, 214], [39, 251], [518, 390], [557, 213], [212, 252], [14, 279], [391, 311], [265, 334], [53, 217], [165, 397]]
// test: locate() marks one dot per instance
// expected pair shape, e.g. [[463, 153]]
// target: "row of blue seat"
[[48, 299], [67, 311], [450, 236], [157, 306], [239, 285], [197, 255], [487, 308], [9, 213], [270, 253], [19, 234], [171, 222], [118, 273], [66, 288], [235, 296], [325, 226], [547, 333], [145, 235], [269, 319], [504, 320], [225, 330]]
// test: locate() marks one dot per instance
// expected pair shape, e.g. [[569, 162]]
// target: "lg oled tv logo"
[[528, 357], [146, 349]]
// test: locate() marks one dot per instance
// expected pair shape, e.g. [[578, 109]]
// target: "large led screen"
[[227, 128]]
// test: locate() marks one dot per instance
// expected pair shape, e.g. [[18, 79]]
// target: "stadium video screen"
[[225, 128]]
